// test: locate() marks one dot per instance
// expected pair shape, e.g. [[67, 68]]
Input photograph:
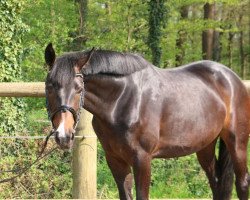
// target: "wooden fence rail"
[[36, 89], [85, 153], [22, 89]]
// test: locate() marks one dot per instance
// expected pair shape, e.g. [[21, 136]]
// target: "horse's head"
[[65, 93]]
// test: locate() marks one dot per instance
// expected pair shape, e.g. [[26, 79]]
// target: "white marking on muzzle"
[[61, 130]]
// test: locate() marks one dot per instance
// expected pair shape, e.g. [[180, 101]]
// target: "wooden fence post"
[[85, 160]]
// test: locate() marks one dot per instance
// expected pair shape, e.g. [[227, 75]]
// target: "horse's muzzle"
[[66, 142]]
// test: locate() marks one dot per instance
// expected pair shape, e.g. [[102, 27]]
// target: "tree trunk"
[[229, 49], [192, 39], [242, 56], [80, 39], [181, 38], [217, 46], [241, 48], [217, 35], [207, 35]]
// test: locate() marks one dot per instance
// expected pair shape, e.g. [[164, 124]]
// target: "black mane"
[[101, 62], [114, 63]]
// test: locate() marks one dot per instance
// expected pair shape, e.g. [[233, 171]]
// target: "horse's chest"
[[114, 139]]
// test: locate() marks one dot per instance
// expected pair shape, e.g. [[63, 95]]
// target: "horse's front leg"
[[142, 174], [123, 177]]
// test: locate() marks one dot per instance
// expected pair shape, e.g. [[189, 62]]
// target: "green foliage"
[[11, 31], [43, 181], [117, 26], [193, 26], [50, 21]]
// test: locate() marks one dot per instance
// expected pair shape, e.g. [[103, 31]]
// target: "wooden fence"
[[85, 154]]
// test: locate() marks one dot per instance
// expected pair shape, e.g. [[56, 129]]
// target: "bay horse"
[[141, 112]]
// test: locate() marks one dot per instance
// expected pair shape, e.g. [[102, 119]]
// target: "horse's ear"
[[50, 55], [84, 60]]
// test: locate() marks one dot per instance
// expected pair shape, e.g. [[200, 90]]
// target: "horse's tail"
[[225, 172]]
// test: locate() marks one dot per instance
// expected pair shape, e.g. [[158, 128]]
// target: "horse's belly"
[[185, 142], [188, 137], [171, 149]]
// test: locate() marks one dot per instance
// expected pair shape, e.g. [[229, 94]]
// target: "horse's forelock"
[[63, 69]]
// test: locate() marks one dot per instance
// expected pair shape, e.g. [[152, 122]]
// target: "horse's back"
[[215, 75], [209, 70]]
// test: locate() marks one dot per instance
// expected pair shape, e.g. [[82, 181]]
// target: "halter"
[[65, 108]]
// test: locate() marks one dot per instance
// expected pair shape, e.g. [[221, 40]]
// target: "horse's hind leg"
[[219, 172], [208, 162], [236, 140], [123, 177], [237, 144]]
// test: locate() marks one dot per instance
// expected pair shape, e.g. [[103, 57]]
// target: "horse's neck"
[[101, 93], [110, 97]]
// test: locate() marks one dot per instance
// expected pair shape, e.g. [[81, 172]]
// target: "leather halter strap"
[[65, 108]]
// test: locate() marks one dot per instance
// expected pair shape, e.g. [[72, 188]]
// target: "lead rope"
[[23, 170]]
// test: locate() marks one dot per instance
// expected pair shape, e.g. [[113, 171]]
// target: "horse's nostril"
[[73, 136]]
